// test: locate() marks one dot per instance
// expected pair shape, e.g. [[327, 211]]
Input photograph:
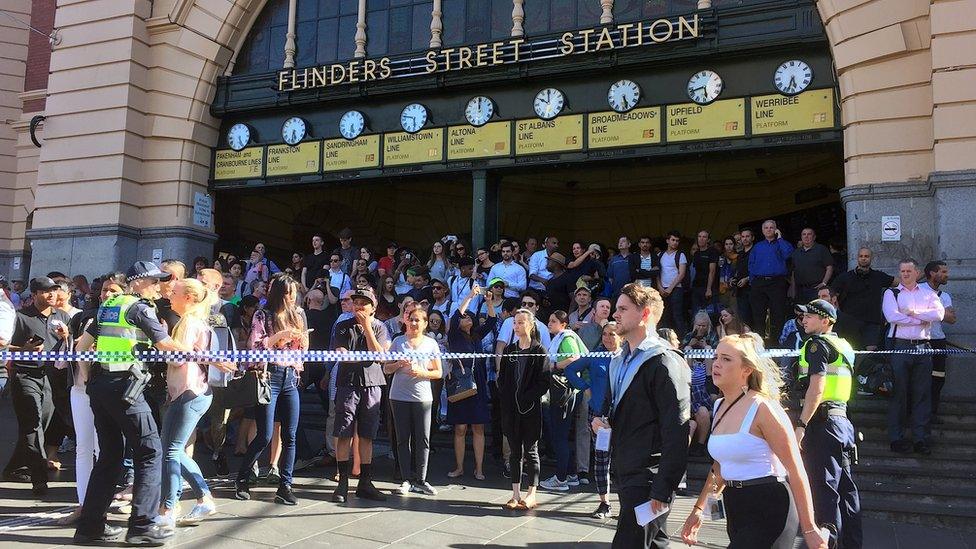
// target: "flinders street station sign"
[[488, 54]]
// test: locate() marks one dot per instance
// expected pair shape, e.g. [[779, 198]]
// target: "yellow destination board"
[[693, 122], [356, 154], [242, 164], [288, 160], [534, 136], [616, 129], [493, 139], [812, 110], [413, 148]]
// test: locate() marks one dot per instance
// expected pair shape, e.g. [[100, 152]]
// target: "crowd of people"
[[570, 338]]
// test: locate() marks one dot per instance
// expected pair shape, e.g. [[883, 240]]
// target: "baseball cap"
[[145, 269], [364, 294], [819, 307], [42, 284], [496, 281]]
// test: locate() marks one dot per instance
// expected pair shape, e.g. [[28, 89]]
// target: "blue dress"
[[473, 410]]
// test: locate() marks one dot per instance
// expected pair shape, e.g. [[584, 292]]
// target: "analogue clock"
[[413, 117], [294, 130], [238, 136], [352, 124], [479, 110], [704, 87], [623, 95], [792, 77], [549, 103]]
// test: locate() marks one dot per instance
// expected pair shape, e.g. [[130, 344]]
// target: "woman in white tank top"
[[755, 451]]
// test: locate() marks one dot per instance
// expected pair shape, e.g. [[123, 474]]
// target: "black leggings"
[[524, 432], [761, 516]]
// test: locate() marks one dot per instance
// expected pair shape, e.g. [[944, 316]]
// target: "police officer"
[[125, 323], [823, 430]]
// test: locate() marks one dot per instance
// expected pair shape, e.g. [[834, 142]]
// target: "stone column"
[[436, 25], [607, 16], [518, 17], [290, 36], [361, 30]]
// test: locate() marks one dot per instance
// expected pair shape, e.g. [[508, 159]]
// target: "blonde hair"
[[765, 377], [198, 311], [533, 330]]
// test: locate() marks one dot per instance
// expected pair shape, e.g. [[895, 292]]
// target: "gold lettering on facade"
[[491, 53]]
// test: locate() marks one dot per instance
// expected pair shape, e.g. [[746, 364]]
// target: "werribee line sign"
[[488, 54]]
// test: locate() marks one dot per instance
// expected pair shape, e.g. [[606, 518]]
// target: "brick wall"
[[39, 51]]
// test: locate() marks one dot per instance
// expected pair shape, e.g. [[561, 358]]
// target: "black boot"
[[342, 490], [241, 490], [285, 496], [365, 489]]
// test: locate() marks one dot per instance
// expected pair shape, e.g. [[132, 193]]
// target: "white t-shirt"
[[411, 389], [669, 271], [507, 332], [936, 328]]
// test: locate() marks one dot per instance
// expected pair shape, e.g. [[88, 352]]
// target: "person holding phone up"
[[38, 327]]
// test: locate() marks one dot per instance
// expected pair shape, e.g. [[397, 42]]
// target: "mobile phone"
[[35, 340]]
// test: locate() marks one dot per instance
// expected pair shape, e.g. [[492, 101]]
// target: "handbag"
[[461, 385], [247, 390]]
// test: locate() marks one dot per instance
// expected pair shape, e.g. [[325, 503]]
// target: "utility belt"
[[824, 411], [137, 374]]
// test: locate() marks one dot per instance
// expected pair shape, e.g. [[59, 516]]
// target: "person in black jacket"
[[522, 380], [649, 410]]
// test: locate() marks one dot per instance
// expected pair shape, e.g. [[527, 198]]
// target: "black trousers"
[[30, 392], [827, 443], [523, 432], [938, 374], [61, 423], [768, 295], [116, 423], [631, 535]]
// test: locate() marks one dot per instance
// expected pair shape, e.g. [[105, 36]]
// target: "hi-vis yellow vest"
[[839, 372], [117, 336]]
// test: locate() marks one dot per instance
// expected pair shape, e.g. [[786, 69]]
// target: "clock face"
[[549, 103], [293, 130], [413, 117], [479, 110], [352, 124], [623, 95], [792, 77], [704, 87], [238, 136]]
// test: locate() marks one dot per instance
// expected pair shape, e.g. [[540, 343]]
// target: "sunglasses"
[[528, 303], [438, 288], [335, 260]]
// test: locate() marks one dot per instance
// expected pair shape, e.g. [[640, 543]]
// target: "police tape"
[[288, 356]]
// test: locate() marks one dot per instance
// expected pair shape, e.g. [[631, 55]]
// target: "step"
[[949, 496], [922, 464], [874, 404], [928, 514], [940, 435], [940, 452], [870, 475]]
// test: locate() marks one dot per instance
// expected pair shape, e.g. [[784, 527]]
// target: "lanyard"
[[719, 420]]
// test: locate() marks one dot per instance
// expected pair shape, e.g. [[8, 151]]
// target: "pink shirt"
[[189, 376], [923, 301], [261, 330]]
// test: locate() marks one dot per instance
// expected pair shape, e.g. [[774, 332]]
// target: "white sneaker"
[[554, 484], [404, 488], [424, 488], [573, 480]]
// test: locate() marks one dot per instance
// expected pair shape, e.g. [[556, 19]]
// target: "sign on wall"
[[241, 164], [634, 128], [812, 110], [357, 154], [464, 142], [534, 136], [413, 148], [891, 228], [721, 119], [202, 210], [293, 160]]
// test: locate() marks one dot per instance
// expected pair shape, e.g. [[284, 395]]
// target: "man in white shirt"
[[538, 273], [669, 283], [337, 278], [511, 272], [937, 274]]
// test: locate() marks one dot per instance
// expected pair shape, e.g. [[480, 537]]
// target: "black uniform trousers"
[[30, 392], [828, 441], [631, 535], [116, 423], [768, 295]]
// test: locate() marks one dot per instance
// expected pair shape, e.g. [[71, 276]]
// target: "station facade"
[[174, 128]]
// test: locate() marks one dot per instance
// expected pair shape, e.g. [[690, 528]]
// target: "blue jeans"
[[561, 427], [913, 374], [178, 424], [284, 407]]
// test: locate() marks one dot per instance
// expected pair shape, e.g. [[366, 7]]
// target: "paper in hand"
[[645, 514], [603, 440]]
